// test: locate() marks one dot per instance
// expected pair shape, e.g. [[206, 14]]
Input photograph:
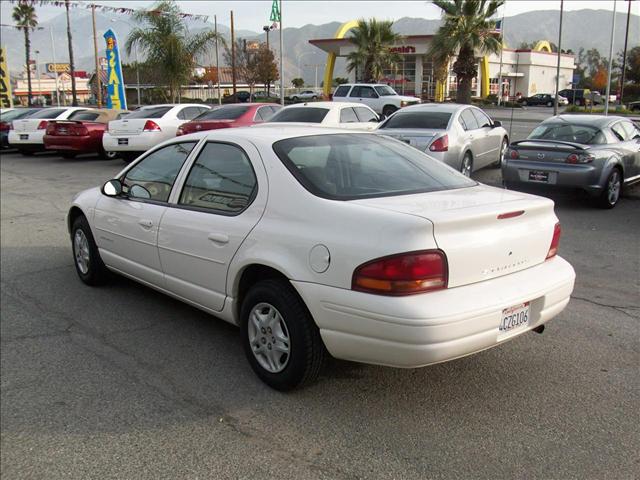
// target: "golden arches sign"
[[331, 57]]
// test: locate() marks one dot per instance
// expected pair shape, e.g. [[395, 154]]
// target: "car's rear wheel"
[[87, 261], [612, 189], [467, 165], [503, 148], [108, 155], [280, 339], [388, 110]]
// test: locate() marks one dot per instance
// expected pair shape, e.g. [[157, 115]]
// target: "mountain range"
[[581, 29]]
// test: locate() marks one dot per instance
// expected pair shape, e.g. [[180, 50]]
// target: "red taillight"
[[513, 154], [440, 145], [4, 126], [180, 131], [43, 125], [80, 131], [555, 242], [403, 274], [513, 214], [582, 158], [51, 129], [151, 126]]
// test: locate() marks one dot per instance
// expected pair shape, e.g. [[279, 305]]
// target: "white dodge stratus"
[[314, 240]]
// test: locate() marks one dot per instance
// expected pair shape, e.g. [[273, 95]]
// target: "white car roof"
[[329, 105], [270, 132]]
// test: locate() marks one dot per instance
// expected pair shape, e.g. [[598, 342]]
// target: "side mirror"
[[497, 123], [112, 188]]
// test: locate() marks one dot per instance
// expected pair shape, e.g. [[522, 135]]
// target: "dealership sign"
[[6, 100], [115, 85], [58, 67]]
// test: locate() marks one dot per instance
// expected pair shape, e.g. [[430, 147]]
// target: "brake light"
[[4, 126], [555, 242], [51, 129], [440, 145], [514, 155], [403, 274], [581, 158], [151, 126], [43, 125], [180, 131], [80, 131]]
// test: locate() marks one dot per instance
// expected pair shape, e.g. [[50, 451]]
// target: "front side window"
[[630, 129], [347, 115], [431, 120], [385, 91], [365, 114], [481, 118], [300, 114], [152, 178], [566, 132], [353, 166], [342, 91], [220, 180], [367, 92], [619, 132]]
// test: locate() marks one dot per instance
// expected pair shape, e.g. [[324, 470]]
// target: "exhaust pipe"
[[539, 329]]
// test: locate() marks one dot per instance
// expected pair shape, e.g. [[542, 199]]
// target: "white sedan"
[[353, 116], [27, 134], [313, 240], [147, 127]]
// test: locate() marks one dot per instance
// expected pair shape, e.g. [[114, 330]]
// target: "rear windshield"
[[15, 114], [300, 114], [432, 120], [385, 91], [565, 132], [231, 112], [80, 115], [48, 113], [154, 112], [353, 166]]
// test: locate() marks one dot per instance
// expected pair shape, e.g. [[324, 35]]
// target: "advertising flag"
[[275, 12], [6, 99], [116, 98]]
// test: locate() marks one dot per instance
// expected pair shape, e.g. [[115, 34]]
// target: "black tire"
[[26, 153], [96, 273], [306, 350], [314, 98], [107, 155], [68, 155], [503, 148], [467, 159], [295, 99], [524, 103], [388, 110], [549, 104], [608, 198], [128, 157]]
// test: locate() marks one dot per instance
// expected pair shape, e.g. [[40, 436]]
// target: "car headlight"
[[403, 103]]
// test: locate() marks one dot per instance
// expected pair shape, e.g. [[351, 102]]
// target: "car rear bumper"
[[33, 139], [435, 327], [72, 143], [587, 177], [140, 142]]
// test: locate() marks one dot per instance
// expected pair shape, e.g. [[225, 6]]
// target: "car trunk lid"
[[548, 151], [68, 128], [133, 126], [28, 124], [198, 126], [484, 231], [418, 138]]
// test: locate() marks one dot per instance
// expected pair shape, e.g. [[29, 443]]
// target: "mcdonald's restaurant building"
[[524, 72]]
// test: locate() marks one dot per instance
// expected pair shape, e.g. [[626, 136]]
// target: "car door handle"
[[219, 238], [146, 224]]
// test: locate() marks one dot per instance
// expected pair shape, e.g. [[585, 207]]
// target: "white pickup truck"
[[381, 98]]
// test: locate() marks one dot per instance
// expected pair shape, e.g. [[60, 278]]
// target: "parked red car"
[[226, 116], [82, 133]]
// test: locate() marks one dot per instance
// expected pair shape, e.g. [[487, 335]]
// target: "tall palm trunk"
[[27, 51], [465, 69], [72, 68]]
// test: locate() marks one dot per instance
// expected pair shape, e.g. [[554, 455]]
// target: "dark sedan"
[[595, 153], [545, 99]]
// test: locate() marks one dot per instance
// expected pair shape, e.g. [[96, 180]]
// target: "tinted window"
[[468, 120], [275, 108], [483, 120], [189, 113], [152, 112], [347, 115], [584, 134], [153, 177], [437, 120], [352, 166], [15, 114], [619, 132], [630, 129], [342, 91], [363, 92], [300, 114], [221, 179], [227, 112], [48, 113], [80, 115], [385, 91], [365, 115]]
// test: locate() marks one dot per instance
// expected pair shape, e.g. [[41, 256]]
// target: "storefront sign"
[[403, 49], [6, 100], [115, 83], [58, 67]]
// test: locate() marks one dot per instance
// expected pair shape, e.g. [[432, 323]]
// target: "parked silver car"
[[462, 136], [594, 153]]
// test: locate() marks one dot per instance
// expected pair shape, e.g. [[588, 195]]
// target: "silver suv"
[[381, 98]]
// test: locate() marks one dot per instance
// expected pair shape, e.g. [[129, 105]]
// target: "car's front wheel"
[[503, 149], [87, 261], [467, 165], [388, 110], [280, 339], [612, 190]]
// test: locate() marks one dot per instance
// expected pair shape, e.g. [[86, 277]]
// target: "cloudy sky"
[[253, 14]]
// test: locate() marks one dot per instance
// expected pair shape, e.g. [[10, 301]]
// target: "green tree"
[[373, 40], [266, 66], [24, 14], [339, 81], [72, 67], [465, 31], [167, 43], [632, 68], [297, 82]]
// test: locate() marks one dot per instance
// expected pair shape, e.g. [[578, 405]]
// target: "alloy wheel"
[[269, 337], [81, 251], [613, 187], [466, 166]]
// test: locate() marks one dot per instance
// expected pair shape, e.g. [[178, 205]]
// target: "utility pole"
[[281, 61], [501, 49], [215, 23], [555, 101], [267, 29], [613, 27], [624, 53], [53, 51], [95, 52], [233, 57]]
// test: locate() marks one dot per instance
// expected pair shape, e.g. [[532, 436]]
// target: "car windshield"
[[230, 112], [152, 112], [48, 113], [353, 166], [385, 91], [431, 120], [566, 132], [300, 114]]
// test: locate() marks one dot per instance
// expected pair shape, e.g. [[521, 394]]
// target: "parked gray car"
[[594, 153], [462, 136]]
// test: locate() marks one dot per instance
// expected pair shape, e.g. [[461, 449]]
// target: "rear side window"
[[153, 112], [353, 166], [342, 91], [48, 113], [15, 114], [363, 92], [300, 114], [565, 132], [228, 112], [431, 120], [80, 115], [221, 180], [347, 115], [468, 120]]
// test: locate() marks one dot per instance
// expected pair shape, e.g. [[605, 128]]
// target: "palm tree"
[[24, 14], [467, 29], [167, 44], [72, 68], [373, 40]]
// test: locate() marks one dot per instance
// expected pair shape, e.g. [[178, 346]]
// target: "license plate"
[[24, 136], [538, 176], [62, 131], [514, 318], [123, 141]]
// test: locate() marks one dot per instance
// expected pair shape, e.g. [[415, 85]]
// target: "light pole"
[[55, 66], [135, 54], [37, 52], [267, 29]]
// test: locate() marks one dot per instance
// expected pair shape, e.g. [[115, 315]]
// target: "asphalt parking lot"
[[123, 382]]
